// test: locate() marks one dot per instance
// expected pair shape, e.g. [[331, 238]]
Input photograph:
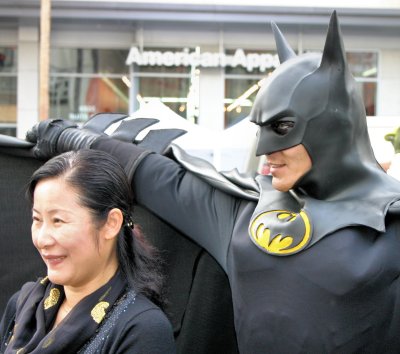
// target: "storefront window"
[[364, 67], [88, 81], [160, 60], [363, 64], [78, 98], [8, 90], [368, 92], [251, 62], [89, 61], [174, 85], [240, 95], [172, 92], [242, 84]]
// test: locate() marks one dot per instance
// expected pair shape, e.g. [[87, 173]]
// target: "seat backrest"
[[198, 292]]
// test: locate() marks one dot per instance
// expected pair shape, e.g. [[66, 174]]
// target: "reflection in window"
[[368, 93], [363, 64], [242, 85], [176, 86], [259, 62], [8, 90], [8, 60], [8, 99], [163, 69], [364, 67], [239, 98], [173, 92], [88, 81], [78, 98], [89, 61]]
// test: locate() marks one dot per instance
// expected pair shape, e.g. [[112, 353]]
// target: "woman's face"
[[76, 253]]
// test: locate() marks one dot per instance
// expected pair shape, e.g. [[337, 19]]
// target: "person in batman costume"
[[312, 252]]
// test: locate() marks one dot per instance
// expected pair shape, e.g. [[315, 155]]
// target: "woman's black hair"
[[102, 185]]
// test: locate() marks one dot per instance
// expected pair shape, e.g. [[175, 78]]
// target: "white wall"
[[211, 99], [388, 96]]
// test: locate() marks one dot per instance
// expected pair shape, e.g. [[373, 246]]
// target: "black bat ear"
[[334, 54], [285, 52]]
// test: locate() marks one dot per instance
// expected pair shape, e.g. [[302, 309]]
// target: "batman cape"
[[312, 270]]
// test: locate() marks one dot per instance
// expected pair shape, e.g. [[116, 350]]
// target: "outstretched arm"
[[200, 211]]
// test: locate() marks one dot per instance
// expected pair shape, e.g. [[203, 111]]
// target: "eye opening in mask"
[[283, 126]]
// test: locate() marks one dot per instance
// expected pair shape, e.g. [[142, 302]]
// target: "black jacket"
[[141, 328]]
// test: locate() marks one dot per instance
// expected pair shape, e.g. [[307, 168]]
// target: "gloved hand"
[[55, 136], [45, 135]]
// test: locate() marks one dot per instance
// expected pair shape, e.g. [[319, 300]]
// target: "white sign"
[[195, 58]]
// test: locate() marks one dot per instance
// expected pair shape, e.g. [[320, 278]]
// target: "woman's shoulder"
[[143, 311], [135, 325], [136, 312], [150, 326]]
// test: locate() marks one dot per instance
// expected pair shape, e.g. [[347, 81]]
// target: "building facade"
[[206, 61]]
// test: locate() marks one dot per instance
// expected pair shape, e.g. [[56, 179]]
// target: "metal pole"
[[45, 23]]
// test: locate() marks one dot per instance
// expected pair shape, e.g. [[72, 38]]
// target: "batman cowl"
[[319, 94]]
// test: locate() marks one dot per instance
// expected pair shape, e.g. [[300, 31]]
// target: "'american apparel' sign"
[[249, 61]]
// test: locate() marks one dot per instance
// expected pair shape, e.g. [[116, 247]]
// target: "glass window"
[[368, 92], [154, 55], [250, 61], [8, 90], [174, 85], [78, 98], [88, 81], [8, 99], [8, 60], [364, 67], [173, 92], [243, 81], [239, 98], [90, 61], [363, 64]]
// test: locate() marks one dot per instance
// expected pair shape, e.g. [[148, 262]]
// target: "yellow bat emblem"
[[281, 232]]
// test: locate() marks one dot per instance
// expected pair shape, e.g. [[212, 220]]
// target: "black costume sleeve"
[[128, 155], [203, 213]]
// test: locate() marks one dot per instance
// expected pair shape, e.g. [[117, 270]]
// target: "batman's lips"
[[274, 167]]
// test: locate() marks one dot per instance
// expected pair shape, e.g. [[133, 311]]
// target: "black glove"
[[45, 135], [55, 136]]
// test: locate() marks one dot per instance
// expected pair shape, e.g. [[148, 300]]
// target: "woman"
[[102, 286]]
